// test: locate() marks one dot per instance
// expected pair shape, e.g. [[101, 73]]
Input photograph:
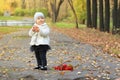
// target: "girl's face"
[[40, 20]]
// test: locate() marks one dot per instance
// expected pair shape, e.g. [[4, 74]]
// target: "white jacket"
[[41, 37]]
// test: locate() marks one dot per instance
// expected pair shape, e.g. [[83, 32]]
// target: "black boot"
[[38, 67], [43, 67]]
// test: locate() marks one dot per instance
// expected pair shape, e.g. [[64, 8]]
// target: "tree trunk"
[[53, 6], [94, 14], [56, 9], [107, 15], [89, 23], [114, 15], [34, 4], [23, 4], [118, 16], [71, 5], [101, 17]]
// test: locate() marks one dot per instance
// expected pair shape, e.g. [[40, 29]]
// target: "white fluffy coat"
[[41, 37]]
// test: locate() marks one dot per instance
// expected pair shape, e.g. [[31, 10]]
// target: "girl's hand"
[[35, 29]]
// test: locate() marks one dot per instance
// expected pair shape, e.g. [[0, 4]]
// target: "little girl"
[[40, 40]]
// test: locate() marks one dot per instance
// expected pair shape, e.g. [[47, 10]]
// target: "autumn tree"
[[94, 14], [74, 12], [107, 15], [23, 6], [34, 4], [101, 17], [89, 22], [118, 25], [55, 6], [114, 15], [14, 4], [80, 9]]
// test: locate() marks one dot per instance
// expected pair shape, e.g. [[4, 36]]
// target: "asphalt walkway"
[[17, 62]]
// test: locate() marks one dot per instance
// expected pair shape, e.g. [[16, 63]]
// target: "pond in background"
[[16, 23]]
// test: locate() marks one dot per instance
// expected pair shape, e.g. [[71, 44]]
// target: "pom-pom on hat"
[[38, 14]]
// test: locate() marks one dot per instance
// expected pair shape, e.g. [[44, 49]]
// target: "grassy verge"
[[11, 18], [6, 30], [108, 42], [67, 25]]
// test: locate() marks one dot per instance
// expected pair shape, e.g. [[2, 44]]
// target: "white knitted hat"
[[38, 14]]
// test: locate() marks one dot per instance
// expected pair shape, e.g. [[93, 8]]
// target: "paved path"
[[17, 62]]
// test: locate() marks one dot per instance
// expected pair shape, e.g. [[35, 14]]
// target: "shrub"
[[31, 12], [44, 10], [1, 13], [19, 12]]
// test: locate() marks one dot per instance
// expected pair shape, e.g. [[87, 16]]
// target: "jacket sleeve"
[[31, 32], [44, 31]]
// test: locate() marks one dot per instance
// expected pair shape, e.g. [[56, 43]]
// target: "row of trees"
[[97, 10], [90, 11], [56, 9], [116, 17], [103, 8]]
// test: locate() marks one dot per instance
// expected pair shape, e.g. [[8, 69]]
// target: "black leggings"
[[41, 58]]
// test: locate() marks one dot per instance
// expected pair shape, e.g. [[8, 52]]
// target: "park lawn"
[[6, 30], [108, 42], [67, 25], [11, 18]]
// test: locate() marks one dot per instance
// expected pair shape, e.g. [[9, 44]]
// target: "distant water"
[[16, 23]]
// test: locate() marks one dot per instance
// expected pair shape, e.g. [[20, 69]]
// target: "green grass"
[[116, 51], [67, 25], [64, 25], [5, 30], [11, 18]]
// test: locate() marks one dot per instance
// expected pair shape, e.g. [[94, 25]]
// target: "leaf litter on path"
[[88, 61]]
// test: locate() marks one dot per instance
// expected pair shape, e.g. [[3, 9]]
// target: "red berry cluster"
[[64, 67]]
